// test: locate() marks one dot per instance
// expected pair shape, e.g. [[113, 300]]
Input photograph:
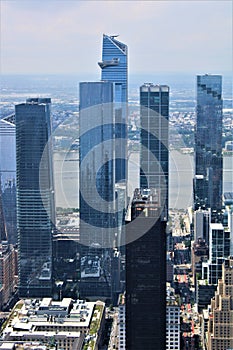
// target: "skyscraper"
[[154, 115], [97, 165], [146, 273], [97, 186], [103, 154], [208, 143], [114, 68], [35, 197]]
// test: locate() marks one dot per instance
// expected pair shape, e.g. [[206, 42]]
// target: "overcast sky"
[[57, 36]]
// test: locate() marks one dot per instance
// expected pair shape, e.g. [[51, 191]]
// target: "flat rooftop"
[[34, 315]]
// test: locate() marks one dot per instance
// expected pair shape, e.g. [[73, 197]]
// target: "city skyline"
[[114, 247], [189, 39]]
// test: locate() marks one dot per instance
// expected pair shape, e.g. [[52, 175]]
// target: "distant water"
[[66, 179], [66, 169]]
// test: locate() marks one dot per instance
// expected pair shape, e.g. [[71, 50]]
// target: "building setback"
[[35, 197]]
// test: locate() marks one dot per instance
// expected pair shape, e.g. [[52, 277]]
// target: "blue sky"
[[56, 36]]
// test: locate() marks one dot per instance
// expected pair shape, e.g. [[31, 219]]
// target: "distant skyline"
[[57, 36]]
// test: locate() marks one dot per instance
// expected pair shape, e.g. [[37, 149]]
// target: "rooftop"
[[34, 315]]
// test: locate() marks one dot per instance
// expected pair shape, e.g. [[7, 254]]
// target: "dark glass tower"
[[208, 143], [154, 155], [114, 68], [146, 273], [35, 197]]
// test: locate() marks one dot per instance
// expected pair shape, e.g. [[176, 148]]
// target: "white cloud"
[[65, 36]]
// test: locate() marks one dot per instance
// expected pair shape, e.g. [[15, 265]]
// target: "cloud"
[[65, 36]]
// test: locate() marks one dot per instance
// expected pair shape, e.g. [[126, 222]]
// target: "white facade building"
[[62, 324]]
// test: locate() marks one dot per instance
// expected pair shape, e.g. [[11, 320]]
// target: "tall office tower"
[[97, 186], [146, 273], [114, 68], [154, 115], [35, 197], [8, 175], [220, 328], [208, 143]]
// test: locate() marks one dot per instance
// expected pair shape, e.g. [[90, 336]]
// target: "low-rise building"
[[65, 324]]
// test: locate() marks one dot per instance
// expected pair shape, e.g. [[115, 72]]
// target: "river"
[[66, 170]]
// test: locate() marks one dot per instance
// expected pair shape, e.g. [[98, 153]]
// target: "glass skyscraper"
[[96, 125], [35, 197], [154, 154], [114, 68], [103, 154], [97, 186], [208, 143]]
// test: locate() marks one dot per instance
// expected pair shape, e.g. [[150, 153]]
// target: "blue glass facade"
[[208, 143], [154, 154], [97, 183], [114, 64], [114, 68], [96, 126], [35, 198]]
